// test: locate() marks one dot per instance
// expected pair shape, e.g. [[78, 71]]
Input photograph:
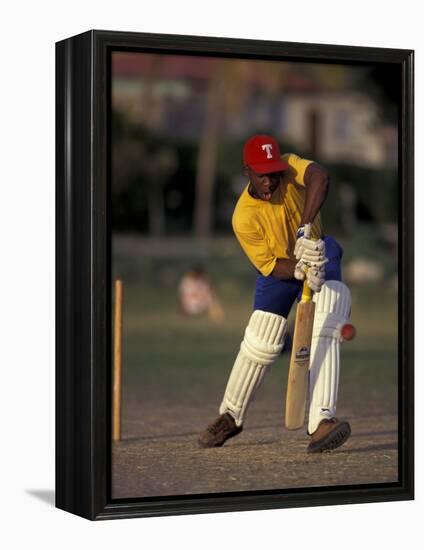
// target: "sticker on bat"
[[302, 354]]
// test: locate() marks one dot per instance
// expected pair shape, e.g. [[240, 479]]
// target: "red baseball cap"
[[262, 154]]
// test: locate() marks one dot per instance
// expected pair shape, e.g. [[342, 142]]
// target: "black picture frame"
[[83, 303]]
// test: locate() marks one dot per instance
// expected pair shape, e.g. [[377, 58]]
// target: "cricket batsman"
[[278, 225]]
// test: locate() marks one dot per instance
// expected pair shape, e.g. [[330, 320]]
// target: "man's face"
[[264, 185]]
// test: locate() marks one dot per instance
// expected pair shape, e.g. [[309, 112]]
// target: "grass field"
[[177, 367]]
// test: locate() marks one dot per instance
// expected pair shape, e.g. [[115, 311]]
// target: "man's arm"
[[317, 183], [284, 269]]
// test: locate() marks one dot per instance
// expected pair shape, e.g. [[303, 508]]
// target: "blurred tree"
[[206, 162], [229, 87], [141, 166], [330, 77], [159, 167]]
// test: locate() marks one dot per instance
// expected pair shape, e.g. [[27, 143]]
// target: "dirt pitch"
[[168, 461]]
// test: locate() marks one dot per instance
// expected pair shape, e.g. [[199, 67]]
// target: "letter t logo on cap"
[[268, 148], [262, 154]]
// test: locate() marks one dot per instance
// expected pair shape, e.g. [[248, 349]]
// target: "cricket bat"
[[297, 385]]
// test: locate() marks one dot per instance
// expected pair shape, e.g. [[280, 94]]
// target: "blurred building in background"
[[179, 123], [340, 127], [168, 93]]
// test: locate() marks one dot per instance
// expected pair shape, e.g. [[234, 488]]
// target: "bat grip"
[[306, 292]]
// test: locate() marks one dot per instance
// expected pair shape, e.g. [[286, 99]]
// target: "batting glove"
[[315, 278], [311, 256], [307, 249], [314, 272]]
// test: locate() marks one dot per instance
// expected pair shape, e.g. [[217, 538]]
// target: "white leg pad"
[[262, 344], [332, 311]]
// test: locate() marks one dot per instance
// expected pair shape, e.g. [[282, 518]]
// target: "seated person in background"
[[196, 295]]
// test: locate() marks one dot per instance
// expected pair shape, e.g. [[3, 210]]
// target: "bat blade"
[[297, 385]]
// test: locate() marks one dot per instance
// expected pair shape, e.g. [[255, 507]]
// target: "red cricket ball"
[[348, 332]]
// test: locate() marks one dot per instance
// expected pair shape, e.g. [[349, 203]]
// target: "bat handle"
[[306, 292]]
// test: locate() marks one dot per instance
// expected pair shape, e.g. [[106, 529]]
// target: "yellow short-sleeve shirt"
[[266, 230]]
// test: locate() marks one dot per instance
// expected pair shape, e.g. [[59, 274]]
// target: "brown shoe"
[[217, 433], [329, 435]]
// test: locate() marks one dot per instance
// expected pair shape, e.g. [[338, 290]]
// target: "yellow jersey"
[[266, 230]]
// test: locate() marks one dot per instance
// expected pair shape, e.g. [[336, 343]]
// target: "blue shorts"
[[277, 296]]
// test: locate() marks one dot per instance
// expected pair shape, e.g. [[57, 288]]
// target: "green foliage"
[[137, 172]]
